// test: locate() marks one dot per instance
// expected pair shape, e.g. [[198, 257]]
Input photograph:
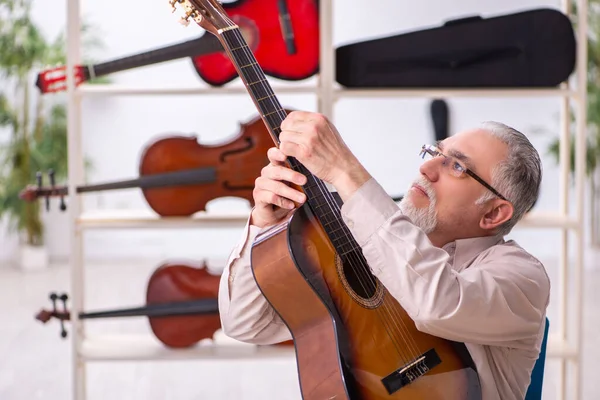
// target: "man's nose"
[[431, 169]]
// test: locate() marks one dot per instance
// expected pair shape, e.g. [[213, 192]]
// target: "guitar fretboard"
[[319, 198]]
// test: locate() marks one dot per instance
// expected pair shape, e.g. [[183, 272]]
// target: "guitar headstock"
[[45, 315], [54, 80], [209, 14], [34, 192]]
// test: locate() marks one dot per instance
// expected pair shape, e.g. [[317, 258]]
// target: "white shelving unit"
[[565, 340]]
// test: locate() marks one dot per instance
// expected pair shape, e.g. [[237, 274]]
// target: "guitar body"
[[344, 347], [259, 19]]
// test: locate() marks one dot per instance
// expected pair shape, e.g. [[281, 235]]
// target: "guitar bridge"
[[411, 371]]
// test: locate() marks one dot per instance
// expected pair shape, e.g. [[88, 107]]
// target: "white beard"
[[424, 218]]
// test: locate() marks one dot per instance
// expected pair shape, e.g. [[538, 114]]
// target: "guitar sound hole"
[[359, 283]]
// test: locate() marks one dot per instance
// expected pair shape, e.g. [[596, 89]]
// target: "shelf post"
[[580, 170], [326, 78], [75, 173]]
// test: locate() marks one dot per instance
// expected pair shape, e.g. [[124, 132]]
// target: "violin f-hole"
[[249, 145]]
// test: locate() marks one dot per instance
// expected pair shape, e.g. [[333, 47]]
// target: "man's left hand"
[[316, 143]]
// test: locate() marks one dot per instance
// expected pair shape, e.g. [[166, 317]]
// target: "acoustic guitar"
[[284, 36], [353, 340]]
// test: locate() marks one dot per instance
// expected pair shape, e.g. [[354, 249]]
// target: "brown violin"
[[179, 176], [181, 305]]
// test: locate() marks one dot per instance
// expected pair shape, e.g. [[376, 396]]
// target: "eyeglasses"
[[454, 166]]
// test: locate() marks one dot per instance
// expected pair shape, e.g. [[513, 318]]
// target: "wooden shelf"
[[338, 91], [558, 348], [449, 92], [135, 219], [121, 90], [124, 347], [547, 219]]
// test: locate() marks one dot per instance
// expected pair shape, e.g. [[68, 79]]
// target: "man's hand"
[[316, 144], [273, 197]]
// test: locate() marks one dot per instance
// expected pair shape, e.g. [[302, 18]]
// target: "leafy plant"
[[593, 94], [37, 127], [40, 148], [592, 156]]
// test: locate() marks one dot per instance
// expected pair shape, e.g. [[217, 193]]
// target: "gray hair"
[[518, 177]]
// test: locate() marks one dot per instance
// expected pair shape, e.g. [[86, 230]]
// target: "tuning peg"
[[63, 332], [51, 175], [185, 21], [53, 297]]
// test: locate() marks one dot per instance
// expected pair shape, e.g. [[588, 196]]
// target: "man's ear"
[[499, 212]]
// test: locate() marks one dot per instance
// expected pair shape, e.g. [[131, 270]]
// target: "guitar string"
[[395, 318], [363, 265], [401, 324], [398, 318], [357, 258], [363, 275]]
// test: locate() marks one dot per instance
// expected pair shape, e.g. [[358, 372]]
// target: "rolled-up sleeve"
[[245, 313], [501, 297]]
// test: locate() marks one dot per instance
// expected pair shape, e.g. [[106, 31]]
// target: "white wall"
[[385, 133]]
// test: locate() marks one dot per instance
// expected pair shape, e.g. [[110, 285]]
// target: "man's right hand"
[[273, 197]]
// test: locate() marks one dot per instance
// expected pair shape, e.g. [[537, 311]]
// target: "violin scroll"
[[34, 192], [44, 315]]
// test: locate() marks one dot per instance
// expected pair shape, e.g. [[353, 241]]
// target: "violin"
[[181, 306], [179, 176]]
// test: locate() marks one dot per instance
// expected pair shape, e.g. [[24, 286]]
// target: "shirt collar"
[[462, 251]]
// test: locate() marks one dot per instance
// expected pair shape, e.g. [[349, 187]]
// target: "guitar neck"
[[261, 93], [205, 44], [191, 307], [319, 198]]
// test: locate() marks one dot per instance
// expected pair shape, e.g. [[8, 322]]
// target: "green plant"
[[37, 149], [36, 124], [593, 94]]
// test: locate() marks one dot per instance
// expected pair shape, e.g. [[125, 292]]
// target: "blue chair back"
[[534, 392]]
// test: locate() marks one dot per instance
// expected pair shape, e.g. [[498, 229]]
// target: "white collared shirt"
[[486, 292]]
